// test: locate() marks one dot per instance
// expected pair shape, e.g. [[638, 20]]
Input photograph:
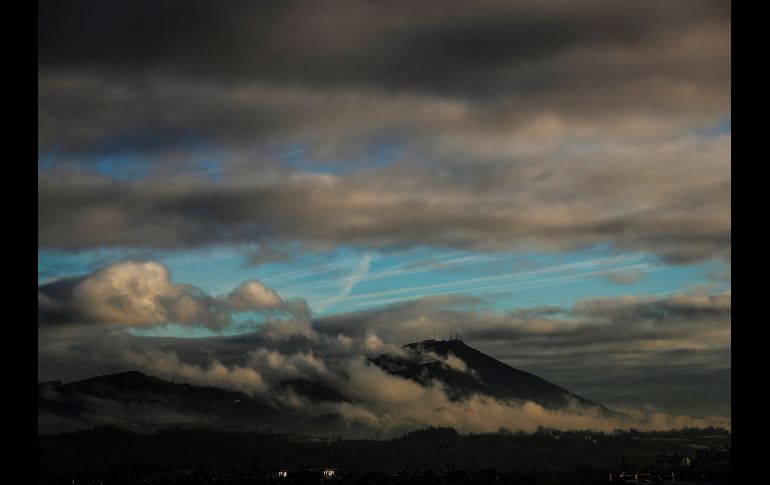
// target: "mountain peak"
[[123, 377], [454, 346], [129, 373], [483, 374], [440, 345]]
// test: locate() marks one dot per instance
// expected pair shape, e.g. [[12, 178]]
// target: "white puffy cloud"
[[141, 294], [168, 365], [253, 296], [135, 294]]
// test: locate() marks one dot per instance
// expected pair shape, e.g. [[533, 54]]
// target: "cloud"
[[632, 198], [282, 366], [167, 364], [128, 294], [624, 277], [680, 307], [529, 65], [384, 401], [515, 126], [141, 295], [253, 296], [288, 330], [349, 282], [265, 255]]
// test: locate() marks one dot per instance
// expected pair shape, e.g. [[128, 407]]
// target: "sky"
[[313, 181]]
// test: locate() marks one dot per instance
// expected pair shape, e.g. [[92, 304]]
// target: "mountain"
[[314, 391], [145, 402], [141, 400], [465, 371]]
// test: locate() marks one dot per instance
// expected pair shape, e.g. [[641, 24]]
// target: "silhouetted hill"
[[483, 374], [133, 398], [315, 391]]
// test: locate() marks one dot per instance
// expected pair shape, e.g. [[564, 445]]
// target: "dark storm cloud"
[[444, 46], [144, 76], [521, 124]]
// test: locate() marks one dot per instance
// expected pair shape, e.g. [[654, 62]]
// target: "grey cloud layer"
[[688, 321], [673, 199], [527, 123], [261, 72]]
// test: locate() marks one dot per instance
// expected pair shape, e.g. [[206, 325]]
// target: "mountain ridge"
[[484, 374], [132, 396]]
